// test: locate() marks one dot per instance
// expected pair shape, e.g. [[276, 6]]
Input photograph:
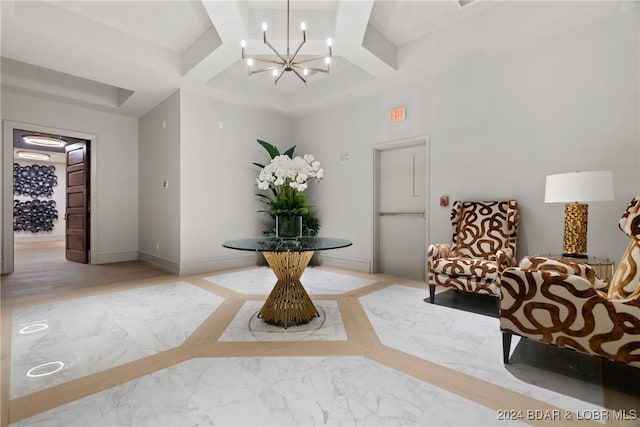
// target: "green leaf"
[[290, 151], [271, 149], [259, 165]]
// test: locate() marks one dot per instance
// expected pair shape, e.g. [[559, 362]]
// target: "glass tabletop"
[[279, 244]]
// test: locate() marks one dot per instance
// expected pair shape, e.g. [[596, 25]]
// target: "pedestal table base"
[[288, 303]]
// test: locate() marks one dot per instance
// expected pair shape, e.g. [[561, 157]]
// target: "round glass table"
[[288, 303]]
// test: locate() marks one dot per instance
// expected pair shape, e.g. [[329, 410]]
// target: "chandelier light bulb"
[[327, 60], [303, 26], [329, 42], [264, 26], [243, 43], [306, 71], [275, 73], [249, 62]]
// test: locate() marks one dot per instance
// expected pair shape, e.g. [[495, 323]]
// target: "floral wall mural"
[[34, 180], [34, 215], [38, 182]]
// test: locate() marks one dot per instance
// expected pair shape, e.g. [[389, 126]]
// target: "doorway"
[[401, 199], [71, 170]]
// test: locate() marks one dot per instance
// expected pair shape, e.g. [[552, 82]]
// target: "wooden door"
[[402, 177], [77, 210]]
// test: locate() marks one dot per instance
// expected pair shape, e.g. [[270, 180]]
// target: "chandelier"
[[287, 62]]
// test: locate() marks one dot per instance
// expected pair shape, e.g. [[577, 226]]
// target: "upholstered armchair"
[[484, 244], [565, 304]]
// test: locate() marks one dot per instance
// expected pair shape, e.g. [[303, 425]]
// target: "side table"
[[602, 266], [288, 303]]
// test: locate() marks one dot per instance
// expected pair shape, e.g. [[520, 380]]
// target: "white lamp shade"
[[589, 186]]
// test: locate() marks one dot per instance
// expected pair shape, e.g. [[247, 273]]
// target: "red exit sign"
[[397, 114]]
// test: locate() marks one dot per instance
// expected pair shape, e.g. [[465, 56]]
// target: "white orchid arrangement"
[[288, 177], [295, 173]]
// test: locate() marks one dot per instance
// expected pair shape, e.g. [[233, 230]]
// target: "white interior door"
[[402, 201]]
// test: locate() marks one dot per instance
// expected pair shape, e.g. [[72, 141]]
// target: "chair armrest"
[[546, 305], [504, 259], [568, 311], [437, 250], [564, 266]]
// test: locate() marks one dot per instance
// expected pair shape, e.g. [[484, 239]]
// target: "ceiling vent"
[[465, 3]]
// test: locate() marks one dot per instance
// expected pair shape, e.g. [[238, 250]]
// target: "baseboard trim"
[[217, 264], [38, 238], [159, 262], [110, 257], [359, 265]]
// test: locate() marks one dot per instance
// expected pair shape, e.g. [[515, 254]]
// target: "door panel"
[[75, 178], [402, 204], [77, 209]]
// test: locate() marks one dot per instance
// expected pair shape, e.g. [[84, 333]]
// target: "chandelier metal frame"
[[287, 62]]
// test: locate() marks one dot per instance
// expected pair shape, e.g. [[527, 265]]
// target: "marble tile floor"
[[191, 351]]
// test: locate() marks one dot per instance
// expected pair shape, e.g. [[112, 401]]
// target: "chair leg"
[[506, 347], [432, 292]]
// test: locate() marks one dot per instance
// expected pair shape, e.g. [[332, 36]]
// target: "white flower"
[[295, 173]]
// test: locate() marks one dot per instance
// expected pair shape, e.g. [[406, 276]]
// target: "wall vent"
[[465, 3]]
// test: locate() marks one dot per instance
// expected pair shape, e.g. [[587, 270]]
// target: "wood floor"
[[42, 272]]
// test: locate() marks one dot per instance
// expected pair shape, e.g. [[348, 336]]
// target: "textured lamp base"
[[288, 303], [574, 242]]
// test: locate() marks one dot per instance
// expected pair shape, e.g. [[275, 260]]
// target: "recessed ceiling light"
[[33, 156], [45, 141]]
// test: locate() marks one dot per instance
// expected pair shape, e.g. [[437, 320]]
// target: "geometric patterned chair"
[[565, 304], [484, 243]]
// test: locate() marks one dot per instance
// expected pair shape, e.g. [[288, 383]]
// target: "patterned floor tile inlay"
[[442, 335], [58, 342], [260, 281], [270, 391], [246, 326]]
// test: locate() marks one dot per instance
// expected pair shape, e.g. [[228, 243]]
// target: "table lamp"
[[574, 189]]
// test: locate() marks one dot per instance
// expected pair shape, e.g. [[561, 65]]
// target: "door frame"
[[416, 141], [6, 180]]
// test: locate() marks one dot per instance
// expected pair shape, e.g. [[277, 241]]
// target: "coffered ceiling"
[[127, 56]]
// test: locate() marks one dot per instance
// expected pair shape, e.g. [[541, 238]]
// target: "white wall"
[[218, 179], [159, 154], [498, 124], [117, 167], [211, 189]]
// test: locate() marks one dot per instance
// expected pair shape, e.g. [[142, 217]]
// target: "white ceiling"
[[127, 56]]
